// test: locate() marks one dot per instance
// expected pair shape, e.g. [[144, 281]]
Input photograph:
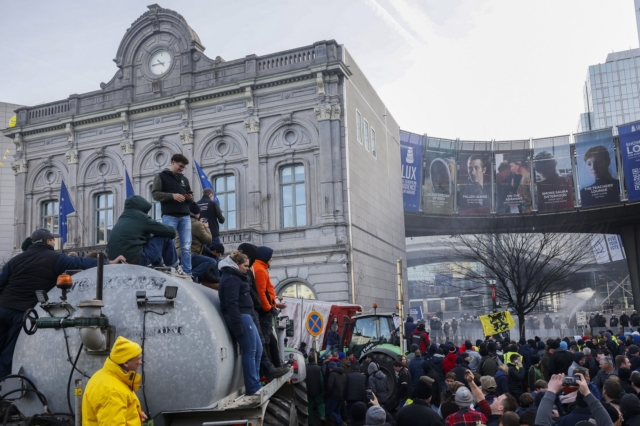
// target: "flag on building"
[[66, 208], [204, 181], [129, 185], [497, 323]]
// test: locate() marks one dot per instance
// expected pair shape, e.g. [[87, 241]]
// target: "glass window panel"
[[219, 185], [290, 292], [301, 215], [286, 175], [359, 126], [225, 191], [366, 135], [373, 143], [287, 196], [231, 218], [300, 198], [299, 173], [222, 198], [109, 200], [305, 292], [231, 203], [231, 183], [287, 217]]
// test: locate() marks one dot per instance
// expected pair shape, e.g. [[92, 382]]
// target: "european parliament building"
[[301, 150]]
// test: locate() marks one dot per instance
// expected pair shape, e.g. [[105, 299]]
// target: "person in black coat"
[[315, 388], [630, 407], [517, 373], [356, 388], [334, 396], [462, 365], [561, 359], [237, 308], [404, 386], [427, 370], [420, 412]]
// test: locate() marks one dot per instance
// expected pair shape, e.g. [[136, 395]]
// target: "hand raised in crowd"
[[119, 259], [583, 384], [374, 400], [555, 384], [179, 198]]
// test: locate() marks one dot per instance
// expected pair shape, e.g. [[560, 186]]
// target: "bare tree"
[[526, 266]]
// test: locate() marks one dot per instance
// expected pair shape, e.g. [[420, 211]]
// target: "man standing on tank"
[[267, 295], [37, 268], [171, 188], [210, 210]]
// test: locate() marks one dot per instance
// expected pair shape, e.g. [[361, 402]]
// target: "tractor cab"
[[370, 331]]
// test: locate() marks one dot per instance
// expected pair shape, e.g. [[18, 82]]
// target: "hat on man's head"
[[265, 254], [414, 348], [376, 415], [250, 250], [194, 209], [488, 383], [332, 364], [42, 234], [424, 390], [633, 349], [463, 397], [124, 350]]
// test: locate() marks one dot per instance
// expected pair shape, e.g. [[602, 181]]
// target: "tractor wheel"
[[302, 403], [281, 412]]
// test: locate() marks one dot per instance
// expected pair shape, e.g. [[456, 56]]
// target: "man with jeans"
[[171, 188]]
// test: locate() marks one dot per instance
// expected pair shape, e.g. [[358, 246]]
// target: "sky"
[[469, 69]]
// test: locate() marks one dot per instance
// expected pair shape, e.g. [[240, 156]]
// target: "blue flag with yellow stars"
[[66, 208], [129, 186], [205, 181]]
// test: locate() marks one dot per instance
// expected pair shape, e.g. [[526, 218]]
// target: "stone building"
[[303, 153], [7, 191]]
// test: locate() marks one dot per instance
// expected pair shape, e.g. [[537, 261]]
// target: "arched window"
[[226, 192], [104, 216], [294, 202], [297, 290]]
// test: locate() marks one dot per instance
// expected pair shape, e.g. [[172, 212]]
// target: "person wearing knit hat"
[[110, 392], [578, 361], [420, 412], [376, 416], [465, 415]]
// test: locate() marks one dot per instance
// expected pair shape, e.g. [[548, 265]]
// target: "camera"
[[570, 381]]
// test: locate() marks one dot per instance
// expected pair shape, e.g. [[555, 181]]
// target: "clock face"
[[160, 62]]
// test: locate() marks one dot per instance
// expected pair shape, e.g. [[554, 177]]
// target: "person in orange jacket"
[[268, 301]]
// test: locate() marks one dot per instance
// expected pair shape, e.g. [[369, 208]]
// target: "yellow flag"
[[497, 323], [13, 121]]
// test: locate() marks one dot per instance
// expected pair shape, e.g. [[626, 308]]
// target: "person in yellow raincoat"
[[110, 398]]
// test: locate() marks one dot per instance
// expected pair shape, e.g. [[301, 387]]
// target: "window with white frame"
[[373, 143], [156, 209], [359, 125], [366, 135], [104, 216], [293, 195], [50, 212], [226, 193]]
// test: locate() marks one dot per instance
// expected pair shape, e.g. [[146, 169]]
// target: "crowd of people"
[[492, 382]]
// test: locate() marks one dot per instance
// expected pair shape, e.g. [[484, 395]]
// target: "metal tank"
[[190, 360]]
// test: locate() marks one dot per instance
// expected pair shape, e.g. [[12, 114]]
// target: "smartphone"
[[369, 394], [570, 381], [204, 220]]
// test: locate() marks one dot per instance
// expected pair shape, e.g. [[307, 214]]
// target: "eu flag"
[[129, 185], [205, 181], [66, 208]]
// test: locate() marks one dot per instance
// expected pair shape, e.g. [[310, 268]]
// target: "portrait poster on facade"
[[438, 189], [553, 174], [597, 171], [513, 178], [411, 152], [474, 181], [629, 136]]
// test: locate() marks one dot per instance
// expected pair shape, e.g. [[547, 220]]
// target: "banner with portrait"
[[438, 188], [629, 136], [474, 181], [513, 178], [553, 174], [597, 171], [411, 157]]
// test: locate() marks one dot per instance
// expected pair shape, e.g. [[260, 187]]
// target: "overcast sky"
[[473, 69]]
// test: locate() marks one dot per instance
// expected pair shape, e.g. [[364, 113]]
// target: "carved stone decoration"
[[156, 86], [17, 140], [47, 162], [335, 112], [287, 118], [320, 84], [70, 134], [101, 152], [323, 112], [195, 56], [20, 166], [153, 16], [186, 135], [252, 124], [184, 109], [72, 156], [127, 146], [248, 95], [218, 131], [124, 119], [158, 141]]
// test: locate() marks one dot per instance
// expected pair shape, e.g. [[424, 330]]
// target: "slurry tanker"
[[191, 371]]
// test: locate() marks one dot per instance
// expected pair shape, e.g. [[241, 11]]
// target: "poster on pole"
[[438, 188], [474, 179], [629, 136], [599, 248], [597, 171], [513, 177], [614, 244], [553, 174], [411, 157]]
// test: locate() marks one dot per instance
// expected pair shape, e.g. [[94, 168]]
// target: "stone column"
[[254, 196], [20, 168], [323, 115], [127, 149], [336, 154], [631, 241], [186, 136], [73, 234]]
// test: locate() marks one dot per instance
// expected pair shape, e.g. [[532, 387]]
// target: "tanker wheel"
[[302, 403], [281, 411], [385, 362]]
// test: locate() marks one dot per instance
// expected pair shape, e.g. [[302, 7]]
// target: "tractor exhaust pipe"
[[100, 277]]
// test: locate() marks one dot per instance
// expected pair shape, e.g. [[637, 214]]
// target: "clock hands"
[[159, 63]]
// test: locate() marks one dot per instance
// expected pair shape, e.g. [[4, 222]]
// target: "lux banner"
[[629, 136], [411, 153]]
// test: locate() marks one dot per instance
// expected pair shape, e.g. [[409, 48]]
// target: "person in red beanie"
[[449, 362]]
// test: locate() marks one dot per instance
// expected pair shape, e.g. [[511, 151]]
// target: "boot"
[[277, 372]]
